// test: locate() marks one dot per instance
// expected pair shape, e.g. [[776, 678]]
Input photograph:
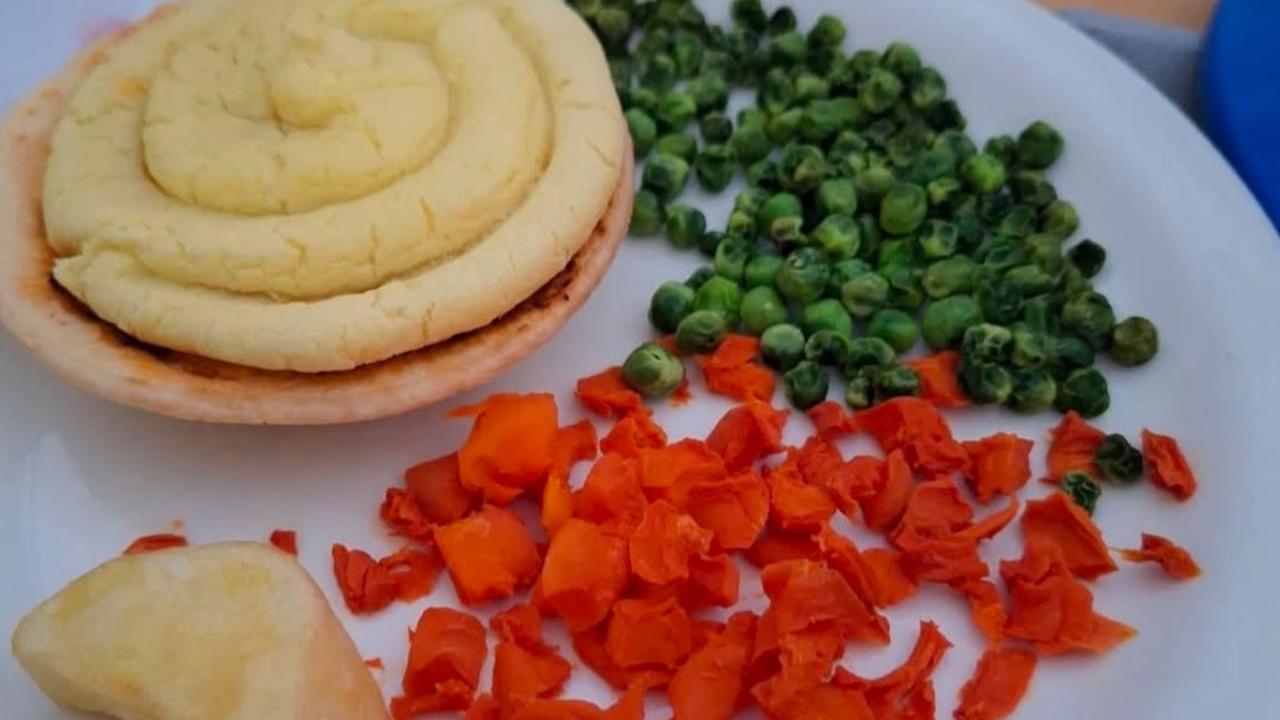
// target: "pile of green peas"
[[871, 219]]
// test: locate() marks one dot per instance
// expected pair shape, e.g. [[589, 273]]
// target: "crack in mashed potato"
[[314, 185]]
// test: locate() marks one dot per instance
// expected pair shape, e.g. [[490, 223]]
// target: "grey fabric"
[[1167, 56]]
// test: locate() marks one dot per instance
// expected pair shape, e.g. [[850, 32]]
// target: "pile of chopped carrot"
[[645, 552]]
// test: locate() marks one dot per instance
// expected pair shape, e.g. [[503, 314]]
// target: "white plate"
[[80, 478]]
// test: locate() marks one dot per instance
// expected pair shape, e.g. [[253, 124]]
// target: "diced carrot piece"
[[1167, 466], [489, 555]]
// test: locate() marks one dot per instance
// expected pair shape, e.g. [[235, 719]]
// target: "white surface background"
[[80, 478]]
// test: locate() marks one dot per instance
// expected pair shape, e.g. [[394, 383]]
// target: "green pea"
[[959, 144], [902, 59], [949, 276], [699, 277], [784, 126], [802, 168], [829, 31], [809, 87], [644, 131], [1000, 303], [987, 342], [1034, 390], [867, 352], [1067, 353], [715, 167], [788, 48], [983, 173], [749, 15], [709, 243], [741, 225], [643, 98], [823, 118], [671, 303], [782, 346], [838, 237], [803, 276], [685, 225], [1031, 188], [858, 391], [827, 348], [1019, 222], [837, 197], [806, 384], [731, 257], [895, 327], [1088, 257], [764, 174], [1117, 460], [709, 92], [842, 272], [930, 165], [788, 231], [826, 314], [864, 294], [945, 321], [1029, 280], [1060, 218], [652, 371], [1045, 251], [777, 91], [648, 217], [943, 192], [903, 209], [658, 72], [1004, 148], [665, 175], [716, 128], [782, 20], [762, 269], [849, 141], [686, 50], [985, 383], [721, 295], [875, 183], [1082, 489], [702, 331], [781, 205], [938, 239], [750, 143], [676, 109], [751, 200], [1134, 341], [1040, 313], [681, 145], [1029, 348], [905, 292], [927, 89], [894, 380], [1090, 316], [752, 117], [879, 91], [1039, 146], [1085, 391], [761, 309]]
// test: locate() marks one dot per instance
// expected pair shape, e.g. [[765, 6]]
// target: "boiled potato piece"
[[231, 631]]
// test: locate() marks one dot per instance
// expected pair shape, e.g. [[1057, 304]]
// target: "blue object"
[[1240, 93]]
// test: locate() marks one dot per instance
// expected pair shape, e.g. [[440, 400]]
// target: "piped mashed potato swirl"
[[315, 185]]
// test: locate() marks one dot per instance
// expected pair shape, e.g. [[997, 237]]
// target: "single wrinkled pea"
[[782, 346], [905, 292], [985, 383], [863, 294], [901, 59], [1085, 391], [826, 314], [801, 168], [749, 15], [777, 91], [699, 277], [1029, 348], [675, 110], [709, 243], [741, 225], [686, 50], [930, 165], [1018, 222], [1090, 316], [671, 303], [879, 91], [849, 141], [874, 184], [779, 206], [613, 27], [788, 231], [715, 167], [957, 142], [1088, 257], [666, 175], [762, 269], [1134, 341], [903, 209], [1040, 313], [803, 276], [750, 143], [827, 348], [826, 61], [1039, 146], [731, 257], [895, 327], [722, 295], [999, 302], [751, 200], [652, 371], [702, 331], [842, 272], [867, 352], [983, 173], [1033, 391], [709, 92], [987, 342], [1045, 250], [764, 174], [682, 145], [644, 131], [837, 197], [1082, 489], [762, 308], [949, 276], [1060, 218], [1117, 460], [643, 98], [1029, 280], [782, 20], [928, 88], [788, 48], [784, 126], [1004, 148], [806, 384], [829, 31], [685, 225], [809, 87], [716, 128], [647, 214], [895, 380], [658, 72], [938, 239], [858, 391], [838, 237], [822, 119], [945, 321], [944, 192], [1031, 188], [1067, 353]]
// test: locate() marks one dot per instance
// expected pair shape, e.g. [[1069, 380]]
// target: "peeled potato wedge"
[[232, 631]]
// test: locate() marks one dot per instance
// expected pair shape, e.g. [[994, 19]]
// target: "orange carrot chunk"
[[1071, 447], [611, 496], [520, 624], [830, 419], [986, 609], [708, 685], [1053, 610], [668, 472], [732, 372], [795, 505], [446, 652], [905, 691], [919, 430], [152, 543], [804, 593], [775, 546], [1167, 466], [413, 571], [286, 540], [522, 674], [935, 509], [1176, 562], [511, 447], [403, 516], [882, 510], [436, 487], [648, 632], [890, 583], [557, 504], [584, 573], [632, 434], [857, 481], [662, 545], [998, 465], [747, 433], [489, 555], [365, 584], [734, 509], [997, 685], [939, 379], [1060, 521], [607, 394]]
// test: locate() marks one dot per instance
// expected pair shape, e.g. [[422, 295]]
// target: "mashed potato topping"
[[318, 184]]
